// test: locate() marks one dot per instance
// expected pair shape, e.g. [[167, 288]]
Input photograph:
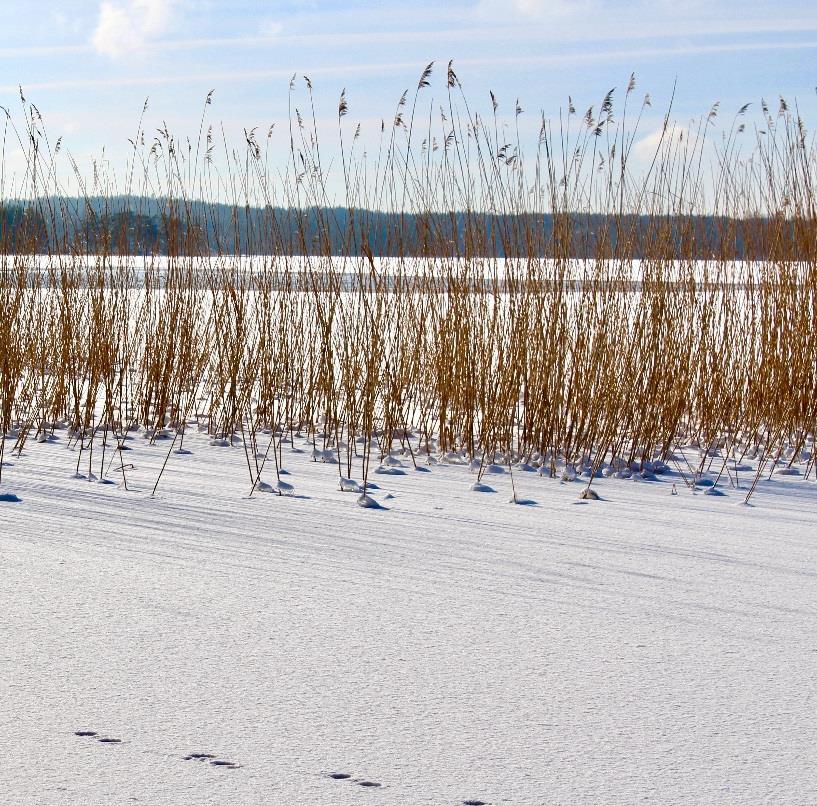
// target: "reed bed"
[[464, 331]]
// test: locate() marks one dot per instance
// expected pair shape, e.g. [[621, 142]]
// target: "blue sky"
[[88, 66]]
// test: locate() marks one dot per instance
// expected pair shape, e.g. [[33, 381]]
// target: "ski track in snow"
[[645, 648]]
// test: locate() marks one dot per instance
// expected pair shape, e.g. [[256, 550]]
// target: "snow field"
[[451, 647]]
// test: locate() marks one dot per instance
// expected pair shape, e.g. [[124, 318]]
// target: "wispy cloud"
[[572, 57], [128, 26], [105, 39], [35, 51]]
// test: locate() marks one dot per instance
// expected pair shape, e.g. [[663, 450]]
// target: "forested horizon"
[[144, 225]]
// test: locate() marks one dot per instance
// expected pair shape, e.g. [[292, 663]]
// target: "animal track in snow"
[[94, 734], [345, 776], [213, 760]]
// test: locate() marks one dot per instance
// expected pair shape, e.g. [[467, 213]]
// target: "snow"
[[449, 646], [736, 271]]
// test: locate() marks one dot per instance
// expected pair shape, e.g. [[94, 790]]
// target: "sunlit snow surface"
[[450, 646]]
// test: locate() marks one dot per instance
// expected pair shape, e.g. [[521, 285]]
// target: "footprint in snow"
[[344, 776], [213, 760]]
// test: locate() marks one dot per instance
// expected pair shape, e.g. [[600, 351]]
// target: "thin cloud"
[[593, 56], [129, 26], [44, 50], [273, 34]]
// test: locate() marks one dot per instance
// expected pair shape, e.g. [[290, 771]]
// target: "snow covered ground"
[[450, 648]]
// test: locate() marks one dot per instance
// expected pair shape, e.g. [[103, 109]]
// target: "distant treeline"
[[140, 226]]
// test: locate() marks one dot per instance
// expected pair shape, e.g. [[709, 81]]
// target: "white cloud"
[[128, 26], [645, 148]]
